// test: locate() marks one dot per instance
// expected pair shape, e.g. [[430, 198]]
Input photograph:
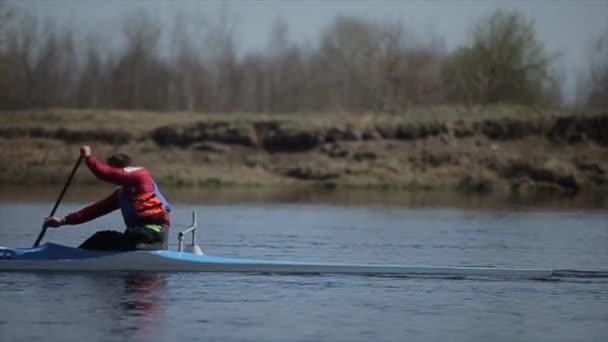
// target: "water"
[[240, 307]]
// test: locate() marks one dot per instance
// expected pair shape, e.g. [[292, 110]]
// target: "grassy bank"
[[500, 149]]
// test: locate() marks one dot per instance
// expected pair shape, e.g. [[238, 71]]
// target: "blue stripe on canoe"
[[53, 251]]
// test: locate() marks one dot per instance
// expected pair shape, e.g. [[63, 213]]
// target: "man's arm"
[[93, 211], [107, 173]]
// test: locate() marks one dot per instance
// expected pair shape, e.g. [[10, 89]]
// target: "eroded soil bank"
[[509, 149]]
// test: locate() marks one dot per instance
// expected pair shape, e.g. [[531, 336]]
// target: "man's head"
[[119, 160]]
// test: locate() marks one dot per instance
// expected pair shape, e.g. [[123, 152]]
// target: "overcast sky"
[[565, 26]]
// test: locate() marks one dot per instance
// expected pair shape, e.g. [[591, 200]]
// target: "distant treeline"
[[357, 64]]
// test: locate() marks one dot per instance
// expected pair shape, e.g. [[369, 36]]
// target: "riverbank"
[[485, 149]]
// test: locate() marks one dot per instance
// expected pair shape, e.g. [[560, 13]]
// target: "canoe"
[[56, 257]]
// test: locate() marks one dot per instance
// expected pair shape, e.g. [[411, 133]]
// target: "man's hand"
[[85, 151], [54, 222]]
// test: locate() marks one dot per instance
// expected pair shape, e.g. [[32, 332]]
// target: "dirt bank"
[[473, 150]]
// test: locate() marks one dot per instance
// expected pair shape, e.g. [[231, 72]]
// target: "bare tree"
[[188, 86], [94, 88], [408, 72], [366, 65], [597, 83], [223, 76], [5, 17], [54, 69], [18, 54], [140, 78], [286, 82], [345, 55]]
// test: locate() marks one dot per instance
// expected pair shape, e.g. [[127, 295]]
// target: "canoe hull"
[[151, 263], [53, 257]]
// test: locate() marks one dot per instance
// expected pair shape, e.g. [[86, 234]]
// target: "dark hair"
[[119, 160]]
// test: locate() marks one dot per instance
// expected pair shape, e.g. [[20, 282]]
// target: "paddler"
[[144, 209]]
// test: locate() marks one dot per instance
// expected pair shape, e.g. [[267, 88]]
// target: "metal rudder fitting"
[[193, 247]]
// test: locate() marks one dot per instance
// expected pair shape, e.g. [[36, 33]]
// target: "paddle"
[[65, 187]]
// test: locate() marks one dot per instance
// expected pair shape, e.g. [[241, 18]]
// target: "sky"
[[566, 27]]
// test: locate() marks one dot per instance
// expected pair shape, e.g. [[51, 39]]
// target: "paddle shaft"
[[65, 188]]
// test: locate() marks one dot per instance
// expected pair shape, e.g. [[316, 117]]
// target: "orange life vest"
[[148, 205], [143, 208]]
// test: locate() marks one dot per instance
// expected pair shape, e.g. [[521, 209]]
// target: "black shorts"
[[110, 240]]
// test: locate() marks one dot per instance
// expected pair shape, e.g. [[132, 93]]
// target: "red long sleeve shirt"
[[137, 178]]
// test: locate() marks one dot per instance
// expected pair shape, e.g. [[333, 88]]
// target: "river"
[[423, 229]]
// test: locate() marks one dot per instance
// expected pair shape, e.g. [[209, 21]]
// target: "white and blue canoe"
[[53, 257]]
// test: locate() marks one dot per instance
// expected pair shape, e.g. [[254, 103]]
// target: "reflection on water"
[[114, 306], [141, 300], [9, 193], [140, 294], [134, 304]]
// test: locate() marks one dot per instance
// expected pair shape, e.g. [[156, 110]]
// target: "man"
[[144, 209]]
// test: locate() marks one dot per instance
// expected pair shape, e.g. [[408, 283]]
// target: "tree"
[[597, 83], [18, 57], [503, 62], [54, 69], [222, 77], [188, 85], [364, 65], [140, 79], [345, 63], [94, 76], [5, 17], [286, 78]]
